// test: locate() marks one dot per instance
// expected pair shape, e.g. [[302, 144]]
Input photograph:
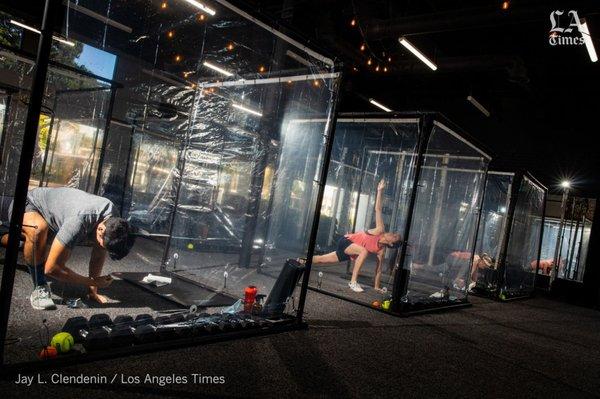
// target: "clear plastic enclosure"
[[190, 117], [572, 248], [366, 149], [521, 258], [442, 235], [492, 232]]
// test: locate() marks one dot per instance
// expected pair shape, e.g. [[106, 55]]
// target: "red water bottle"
[[249, 298]]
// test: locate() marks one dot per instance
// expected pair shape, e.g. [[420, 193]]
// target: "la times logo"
[[566, 31]]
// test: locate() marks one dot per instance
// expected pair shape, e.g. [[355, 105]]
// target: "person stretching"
[[75, 217], [357, 246]]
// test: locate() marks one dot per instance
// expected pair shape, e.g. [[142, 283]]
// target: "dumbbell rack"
[[101, 338]]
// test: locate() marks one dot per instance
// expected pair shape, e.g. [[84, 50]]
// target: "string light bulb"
[[201, 17], [177, 58], [362, 47], [230, 46], [385, 69], [316, 83], [369, 62], [261, 68], [353, 22], [170, 34], [377, 68], [389, 59], [164, 5], [505, 5]]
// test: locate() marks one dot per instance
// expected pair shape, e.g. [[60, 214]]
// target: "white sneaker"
[[355, 287], [41, 298], [438, 295]]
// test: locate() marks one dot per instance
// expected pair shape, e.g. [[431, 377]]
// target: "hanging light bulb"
[[316, 83], [385, 69], [377, 68], [170, 34], [201, 17], [261, 68], [353, 22], [164, 5], [177, 58], [362, 47], [369, 62], [505, 5], [389, 59], [230, 46]]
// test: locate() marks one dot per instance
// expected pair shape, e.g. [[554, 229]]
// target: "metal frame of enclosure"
[[301, 84], [510, 236], [434, 192]]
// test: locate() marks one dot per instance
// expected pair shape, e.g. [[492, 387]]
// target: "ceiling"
[[542, 99]]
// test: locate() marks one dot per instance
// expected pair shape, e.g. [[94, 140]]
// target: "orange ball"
[[376, 304], [48, 352]]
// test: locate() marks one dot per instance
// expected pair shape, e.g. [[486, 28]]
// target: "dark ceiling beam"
[[449, 21]]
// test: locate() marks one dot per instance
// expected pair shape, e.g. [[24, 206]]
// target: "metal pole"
[[401, 276], [329, 135], [539, 251], [557, 251], [510, 214], [113, 93], [29, 136]]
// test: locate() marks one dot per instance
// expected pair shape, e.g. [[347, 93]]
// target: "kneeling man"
[[73, 216]]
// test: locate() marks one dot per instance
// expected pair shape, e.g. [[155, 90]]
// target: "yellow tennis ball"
[[63, 342], [190, 246]]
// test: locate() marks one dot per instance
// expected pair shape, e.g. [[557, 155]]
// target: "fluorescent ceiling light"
[[379, 105], [34, 30], [585, 32], [477, 105], [216, 68], [201, 6], [248, 110], [416, 52]]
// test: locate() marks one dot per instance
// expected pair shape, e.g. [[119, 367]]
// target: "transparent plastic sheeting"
[[492, 230], [71, 127], [573, 248], [524, 240], [365, 151], [203, 149], [442, 234]]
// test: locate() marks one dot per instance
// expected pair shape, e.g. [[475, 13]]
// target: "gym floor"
[[528, 348]]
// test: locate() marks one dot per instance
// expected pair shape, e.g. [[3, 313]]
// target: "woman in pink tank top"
[[357, 246]]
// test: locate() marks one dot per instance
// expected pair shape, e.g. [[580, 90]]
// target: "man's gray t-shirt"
[[71, 213]]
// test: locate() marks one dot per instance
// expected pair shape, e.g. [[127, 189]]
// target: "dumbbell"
[[74, 325], [145, 333], [96, 339], [100, 320]]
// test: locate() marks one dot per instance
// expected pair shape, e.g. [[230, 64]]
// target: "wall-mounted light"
[[201, 6], [379, 105], [246, 109], [34, 30], [478, 105], [565, 184], [217, 68], [409, 46]]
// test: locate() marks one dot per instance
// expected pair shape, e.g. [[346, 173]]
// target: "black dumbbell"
[[143, 319], [100, 320], [74, 325], [145, 333], [123, 320], [121, 335], [96, 339]]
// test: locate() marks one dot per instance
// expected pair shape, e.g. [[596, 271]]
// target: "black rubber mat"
[[181, 292]]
